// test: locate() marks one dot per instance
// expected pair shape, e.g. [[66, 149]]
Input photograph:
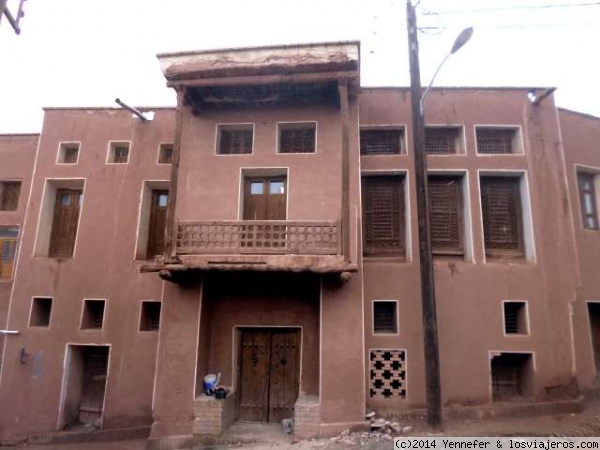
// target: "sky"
[[74, 53]]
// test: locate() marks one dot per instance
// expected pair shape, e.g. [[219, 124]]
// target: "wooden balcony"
[[259, 237]]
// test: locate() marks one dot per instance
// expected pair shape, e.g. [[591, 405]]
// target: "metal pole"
[[430, 337]]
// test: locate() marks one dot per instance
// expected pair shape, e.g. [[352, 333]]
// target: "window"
[[381, 142], [158, 221], [118, 153], [150, 318], [68, 153], [387, 373], [587, 200], [497, 141], [93, 314], [235, 139], [297, 137], [502, 217], [64, 223], [9, 195], [165, 154], [515, 317], [8, 247], [441, 140], [512, 376], [41, 310], [383, 215], [385, 317], [446, 215]]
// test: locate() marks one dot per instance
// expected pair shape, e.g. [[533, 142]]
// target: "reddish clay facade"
[[273, 273]]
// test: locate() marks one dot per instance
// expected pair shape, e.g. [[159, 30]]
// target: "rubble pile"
[[381, 430]]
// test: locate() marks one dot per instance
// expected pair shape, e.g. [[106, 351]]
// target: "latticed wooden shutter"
[[502, 222], [440, 141], [383, 215], [445, 220], [235, 142], [495, 141], [380, 142], [297, 140]]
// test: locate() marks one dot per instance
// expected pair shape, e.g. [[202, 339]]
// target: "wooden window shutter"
[[383, 215], [440, 141], [385, 317], [64, 223], [158, 222], [235, 142], [297, 140], [446, 215], [495, 141], [380, 142], [9, 198], [502, 221]]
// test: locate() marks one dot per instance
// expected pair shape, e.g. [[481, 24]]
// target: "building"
[[265, 230]]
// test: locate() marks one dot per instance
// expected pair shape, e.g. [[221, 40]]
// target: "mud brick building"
[[265, 229]]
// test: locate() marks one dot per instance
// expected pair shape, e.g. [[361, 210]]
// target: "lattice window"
[[383, 215], [385, 317], [165, 154], [9, 195], [587, 200], [387, 373], [235, 142], [496, 141], [297, 139], [441, 141], [68, 153], [118, 153], [150, 317], [515, 318], [381, 142], [446, 215], [93, 314], [502, 221]]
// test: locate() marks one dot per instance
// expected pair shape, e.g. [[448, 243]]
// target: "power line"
[[529, 25], [516, 8]]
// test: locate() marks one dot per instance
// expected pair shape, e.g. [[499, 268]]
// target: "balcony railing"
[[277, 237]]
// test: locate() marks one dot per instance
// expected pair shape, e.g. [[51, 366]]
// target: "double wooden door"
[[269, 374]]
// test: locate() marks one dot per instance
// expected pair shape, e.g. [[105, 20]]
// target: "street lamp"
[[430, 335]]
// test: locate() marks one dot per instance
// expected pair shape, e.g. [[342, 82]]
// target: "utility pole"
[[430, 335]]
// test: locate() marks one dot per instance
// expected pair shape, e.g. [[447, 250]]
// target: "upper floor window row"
[[441, 140], [292, 137], [118, 153]]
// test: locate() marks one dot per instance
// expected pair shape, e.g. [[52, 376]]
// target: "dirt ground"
[[270, 438]]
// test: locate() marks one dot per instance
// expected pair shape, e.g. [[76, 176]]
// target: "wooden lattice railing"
[[278, 237]]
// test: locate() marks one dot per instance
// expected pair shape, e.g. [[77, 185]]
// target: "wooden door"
[[64, 223], [269, 374], [158, 221], [95, 367], [265, 199]]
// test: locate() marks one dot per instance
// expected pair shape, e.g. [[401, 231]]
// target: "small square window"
[[256, 188], [118, 153], [150, 318], [41, 310], [93, 314], [383, 141], [297, 137], [9, 195], [165, 154], [385, 317], [515, 318], [68, 153], [235, 139], [497, 141]]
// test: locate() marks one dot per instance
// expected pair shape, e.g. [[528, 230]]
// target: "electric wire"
[[517, 8]]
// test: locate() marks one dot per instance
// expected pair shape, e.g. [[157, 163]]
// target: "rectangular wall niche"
[[387, 373]]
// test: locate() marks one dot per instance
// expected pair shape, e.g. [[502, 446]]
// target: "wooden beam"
[[345, 118], [266, 79], [171, 227]]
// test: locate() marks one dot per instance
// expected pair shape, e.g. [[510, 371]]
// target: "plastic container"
[[210, 383]]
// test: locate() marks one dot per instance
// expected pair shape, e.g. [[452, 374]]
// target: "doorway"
[[268, 373], [594, 314], [84, 385], [265, 198]]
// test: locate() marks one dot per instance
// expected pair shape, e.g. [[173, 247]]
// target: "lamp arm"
[[424, 96]]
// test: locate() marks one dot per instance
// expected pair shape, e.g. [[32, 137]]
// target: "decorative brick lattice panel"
[[388, 373]]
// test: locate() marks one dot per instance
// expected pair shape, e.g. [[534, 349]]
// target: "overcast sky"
[[87, 52]]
